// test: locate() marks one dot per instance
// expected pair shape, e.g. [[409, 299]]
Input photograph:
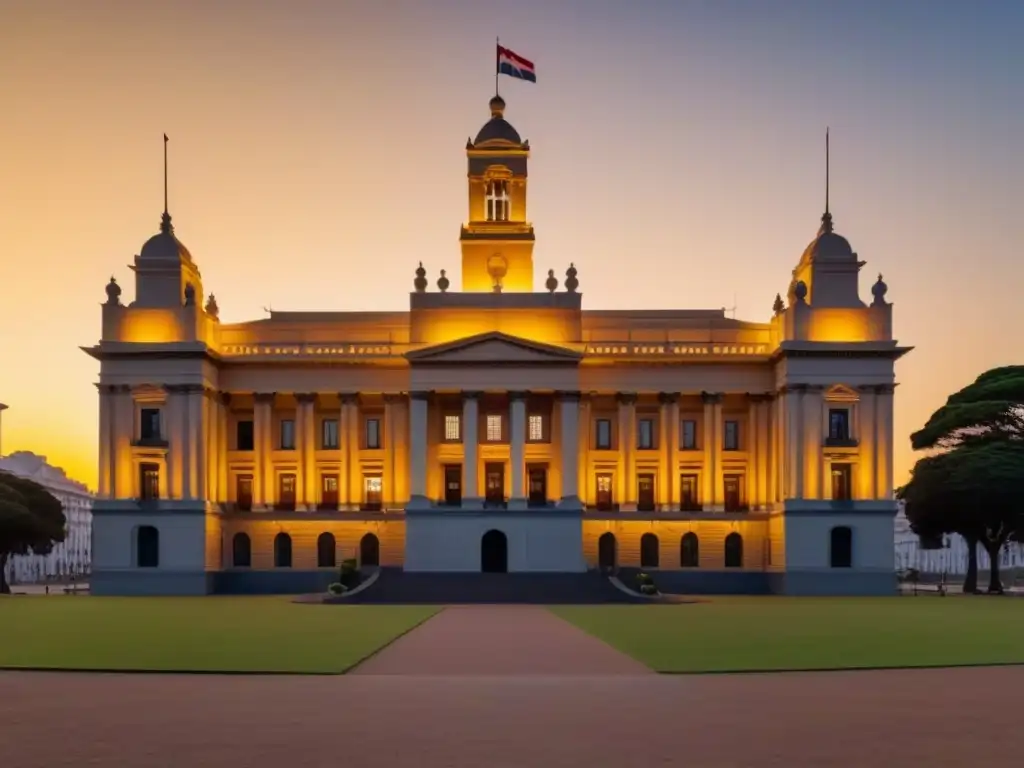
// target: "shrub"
[[644, 578], [337, 588], [648, 589], [349, 576]]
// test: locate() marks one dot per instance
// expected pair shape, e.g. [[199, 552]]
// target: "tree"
[[31, 520], [990, 409]]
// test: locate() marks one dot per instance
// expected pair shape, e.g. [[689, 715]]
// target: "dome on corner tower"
[[828, 246], [164, 246], [498, 128]]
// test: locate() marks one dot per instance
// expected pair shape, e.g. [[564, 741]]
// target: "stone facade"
[[497, 427]]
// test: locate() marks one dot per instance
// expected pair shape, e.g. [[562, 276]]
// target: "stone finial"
[[443, 282], [878, 290], [552, 282], [420, 283], [211, 307], [800, 292], [190, 295], [779, 306], [571, 283], [113, 292]]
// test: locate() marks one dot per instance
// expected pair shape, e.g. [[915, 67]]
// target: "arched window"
[[607, 557], [733, 551], [325, 551], [841, 547], [369, 550], [147, 547], [282, 551], [497, 200], [689, 551], [241, 551], [648, 551]]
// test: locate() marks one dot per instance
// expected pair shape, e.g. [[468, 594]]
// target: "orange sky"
[[317, 154]]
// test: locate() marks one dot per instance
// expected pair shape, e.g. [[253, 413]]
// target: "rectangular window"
[[328, 491], [842, 474], [286, 492], [493, 428], [149, 424], [245, 439], [287, 435], [329, 434], [538, 485], [688, 499], [535, 428], [604, 435], [689, 435], [732, 436], [645, 435], [243, 493], [645, 493], [373, 493], [149, 481], [452, 428], [373, 434], [733, 493], [838, 424], [605, 501]]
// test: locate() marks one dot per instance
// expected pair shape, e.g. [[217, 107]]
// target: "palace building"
[[499, 428]]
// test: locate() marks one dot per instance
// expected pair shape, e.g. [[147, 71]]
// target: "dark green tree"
[[990, 409], [31, 520]]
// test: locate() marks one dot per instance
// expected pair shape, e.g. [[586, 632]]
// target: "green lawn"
[[771, 633], [209, 634]]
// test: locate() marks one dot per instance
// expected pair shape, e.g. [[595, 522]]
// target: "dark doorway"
[[538, 486], [841, 547], [241, 554], [147, 547], [369, 551], [604, 492], [453, 485], [645, 493], [326, 548], [495, 474], [607, 556], [649, 555], [494, 552]]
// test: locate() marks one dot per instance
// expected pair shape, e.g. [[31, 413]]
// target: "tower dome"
[[165, 246], [498, 128]]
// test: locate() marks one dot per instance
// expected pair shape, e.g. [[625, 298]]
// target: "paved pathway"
[[499, 640]]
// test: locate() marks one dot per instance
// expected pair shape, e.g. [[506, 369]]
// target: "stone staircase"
[[396, 587]]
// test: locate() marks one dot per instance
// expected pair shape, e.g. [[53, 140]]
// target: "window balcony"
[[150, 442], [841, 442]]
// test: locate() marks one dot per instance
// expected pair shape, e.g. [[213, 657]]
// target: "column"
[[211, 470], [263, 415], [718, 447], [674, 441], [751, 443], [517, 449], [711, 442], [665, 471], [794, 485], [343, 448], [177, 459], [764, 451], [105, 481], [223, 402], [584, 483], [569, 404], [627, 442], [867, 469], [123, 429], [305, 446], [418, 420], [470, 435], [883, 435], [813, 433], [197, 441], [391, 407]]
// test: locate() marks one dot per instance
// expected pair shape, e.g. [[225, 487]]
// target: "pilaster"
[[569, 405], [419, 418], [470, 436], [883, 433], [583, 458], [627, 443], [517, 449], [668, 444]]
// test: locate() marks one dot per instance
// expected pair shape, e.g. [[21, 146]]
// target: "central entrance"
[[494, 552]]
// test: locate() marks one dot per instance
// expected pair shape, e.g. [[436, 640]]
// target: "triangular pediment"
[[494, 348]]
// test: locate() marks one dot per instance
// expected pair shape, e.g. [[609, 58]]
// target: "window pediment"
[[493, 349]]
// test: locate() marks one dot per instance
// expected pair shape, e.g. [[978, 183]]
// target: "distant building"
[[951, 558], [71, 557]]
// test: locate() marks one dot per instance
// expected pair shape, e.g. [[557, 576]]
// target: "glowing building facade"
[[496, 428]]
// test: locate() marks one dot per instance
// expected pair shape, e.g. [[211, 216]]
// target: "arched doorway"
[[369, 551], [607, 556], [649, 555], [494, 552]]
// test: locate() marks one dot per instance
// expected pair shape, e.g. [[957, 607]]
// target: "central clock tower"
[[497, 242]]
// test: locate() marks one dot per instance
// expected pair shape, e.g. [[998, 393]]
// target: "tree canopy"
[[31, 520], [992, 408]]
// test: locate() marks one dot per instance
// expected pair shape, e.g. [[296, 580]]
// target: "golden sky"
[[317, 154]]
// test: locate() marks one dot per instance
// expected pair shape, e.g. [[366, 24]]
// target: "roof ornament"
[[826, 218], [800, 292], [443, 282], [571, 283], [211, 307], [552, 282], [165, 221], [779, 306], [878, 290], [420, 283], [190, 295], [113, 292]]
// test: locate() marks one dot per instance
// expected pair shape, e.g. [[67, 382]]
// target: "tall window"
[[149, 424], [497, 200], [373, 434], [733, 551], [282, 551], [149, 481], [732, 436], [689, 435], [604, 435], [733, 487], [286, 492], [645, 435], [452, 428], [688, 499], [147, 547], [329, 434], [245, 438], [494, 428], [287, 435], [689, 551], [241, 551], [841, 547], [841, 477], [838, 424], [243, 493], [329, 491], [535, 428]]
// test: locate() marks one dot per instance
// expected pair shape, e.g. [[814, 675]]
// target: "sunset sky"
[[317, 154]]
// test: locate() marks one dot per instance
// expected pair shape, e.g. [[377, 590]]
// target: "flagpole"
[[497, 61], [165, 174]]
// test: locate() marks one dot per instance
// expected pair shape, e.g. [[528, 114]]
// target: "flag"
[[514, 65]]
